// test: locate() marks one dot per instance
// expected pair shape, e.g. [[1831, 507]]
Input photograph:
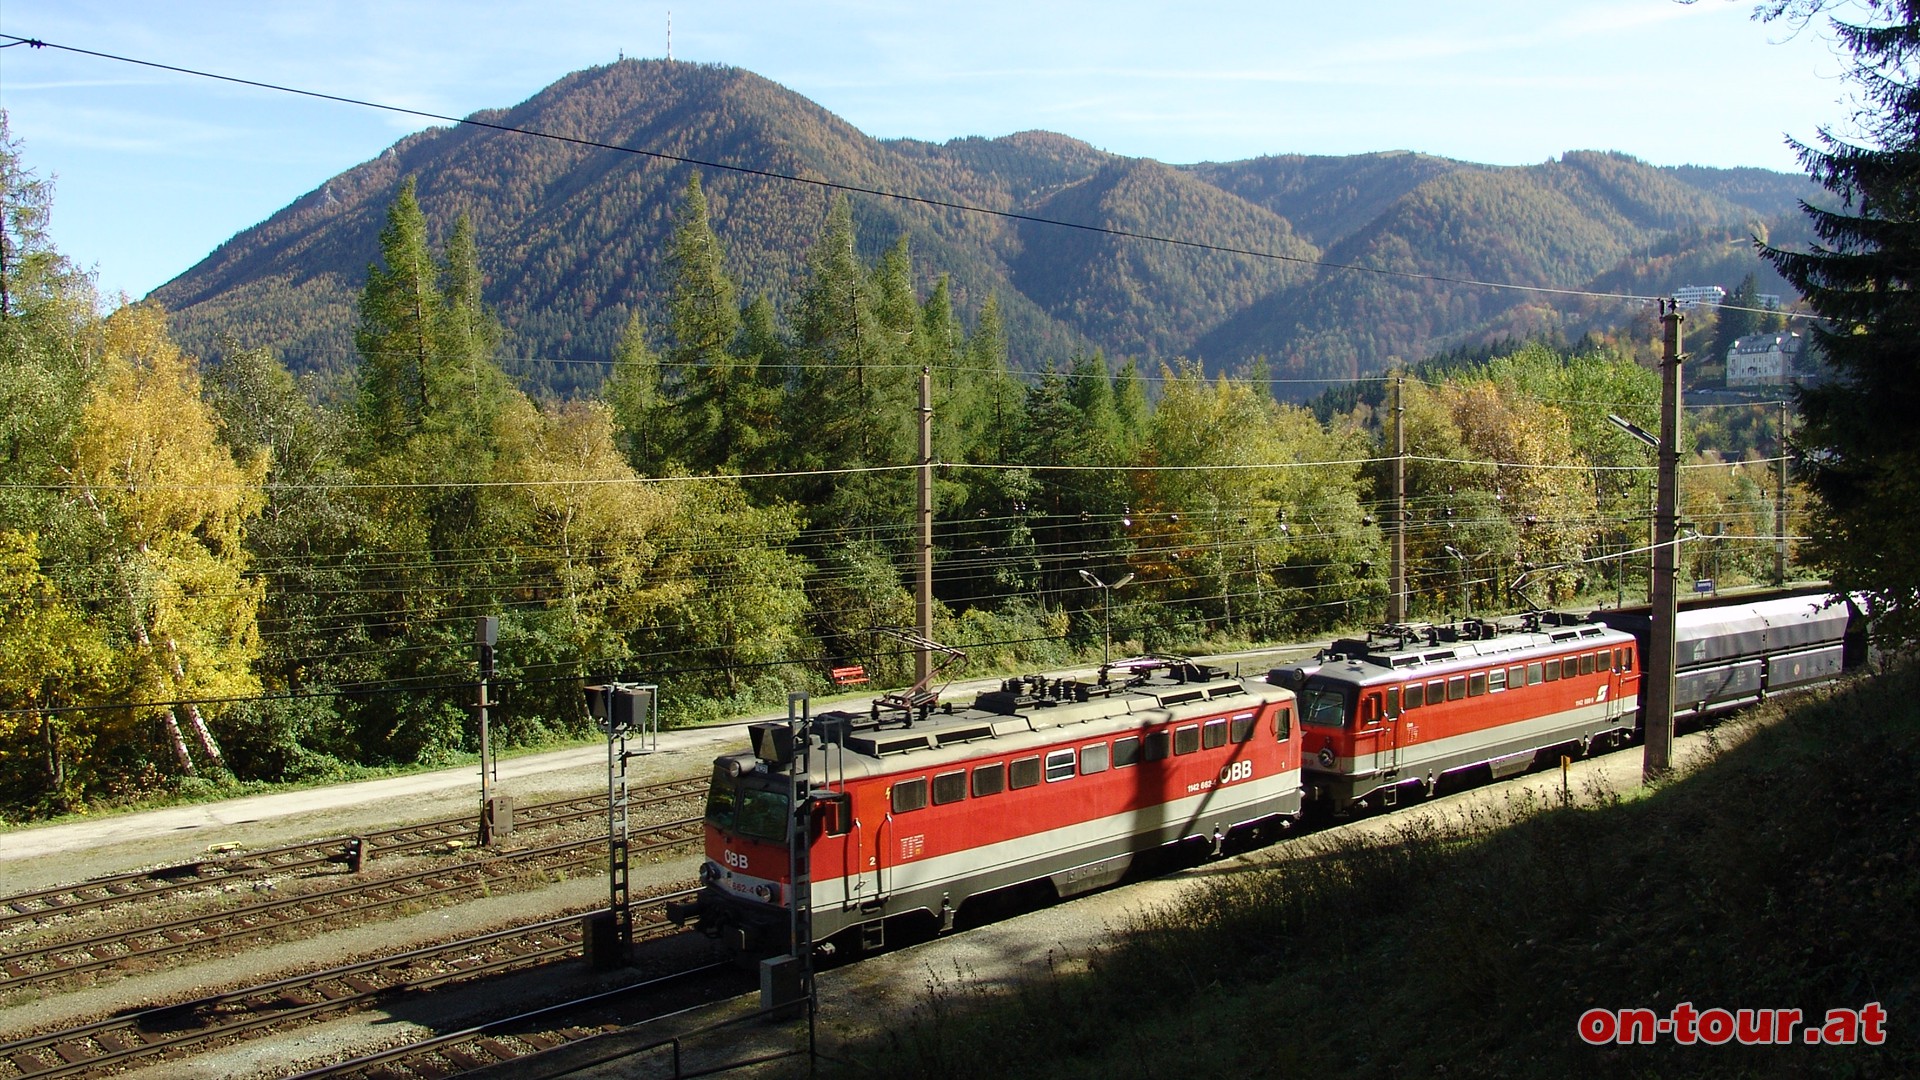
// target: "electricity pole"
[[1657, 670], [1780, 506], [923, 577], [1397, 580]]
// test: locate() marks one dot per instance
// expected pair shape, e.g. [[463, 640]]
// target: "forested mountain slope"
[[572, 236]]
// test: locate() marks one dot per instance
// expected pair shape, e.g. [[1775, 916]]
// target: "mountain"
[[1432, 233], [1314, 263]]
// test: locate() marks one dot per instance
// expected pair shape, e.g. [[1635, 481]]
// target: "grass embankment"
[[1782, 873]]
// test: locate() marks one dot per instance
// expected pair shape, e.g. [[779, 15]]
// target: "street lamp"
[[1106, 595]]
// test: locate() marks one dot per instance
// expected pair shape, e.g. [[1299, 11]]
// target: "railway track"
[[334, 853], [350, 902], [539, 1031], [185, 1028]]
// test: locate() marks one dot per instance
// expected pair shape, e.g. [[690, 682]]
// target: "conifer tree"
[[710, 382], [632, 391], [1859, 446]]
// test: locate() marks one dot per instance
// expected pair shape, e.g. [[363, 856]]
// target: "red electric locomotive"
[[1393, 713], [1045, 779]]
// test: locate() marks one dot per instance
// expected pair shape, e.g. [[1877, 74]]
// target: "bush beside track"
[[1781, 873]]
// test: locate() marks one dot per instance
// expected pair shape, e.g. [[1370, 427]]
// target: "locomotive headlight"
[[709, 872], [1326, 756]]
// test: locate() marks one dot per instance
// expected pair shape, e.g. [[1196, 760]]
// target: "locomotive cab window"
[[735, 807], [909, 795], [1283, 723], [720, 799], [989, 780], [1126, 751], [949, 787], [1023, 772], [1186, 739], [1393, 701], [1323, 704], [1059, 765]]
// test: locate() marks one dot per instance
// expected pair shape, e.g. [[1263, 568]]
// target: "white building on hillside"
[[1762, 359], [1689, 295]]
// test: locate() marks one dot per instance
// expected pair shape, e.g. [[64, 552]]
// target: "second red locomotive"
[[1391, 714]]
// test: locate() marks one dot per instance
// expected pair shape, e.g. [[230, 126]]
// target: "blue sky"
[[155, 169]]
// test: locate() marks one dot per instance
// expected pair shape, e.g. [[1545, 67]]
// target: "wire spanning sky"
[[155, 169]]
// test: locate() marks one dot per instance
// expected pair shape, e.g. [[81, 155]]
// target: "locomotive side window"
[[1476, 684], [1023, 772], [949, 787], [1242, 728], [1186, 739], [1059, 765], [1533, 675], [1586, 663], [1496, 680], [1416, 695], [1553, 671], [1517, 676], [1456, 688], [909, 795], [1126, 751], [1158, 744], [989, 779], [1283, 723], [1093, 759], [1436, 691], [1213, 735]]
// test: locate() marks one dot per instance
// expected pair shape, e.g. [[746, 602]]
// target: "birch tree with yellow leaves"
[[166, 508]]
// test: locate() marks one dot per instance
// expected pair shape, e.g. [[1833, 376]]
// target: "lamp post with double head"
[[1106, 595]]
